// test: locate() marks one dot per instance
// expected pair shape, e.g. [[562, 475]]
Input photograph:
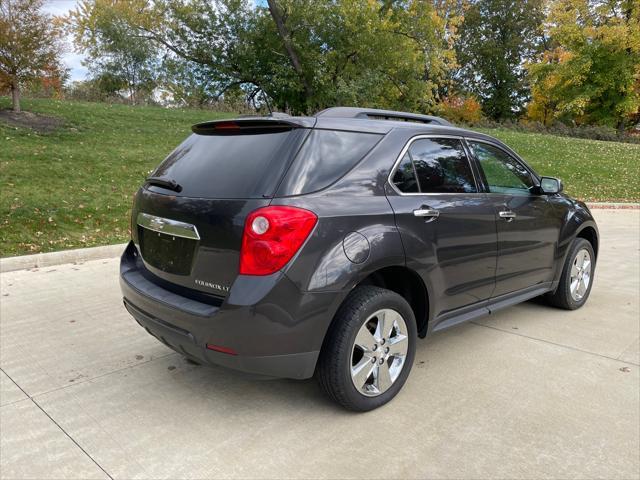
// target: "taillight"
[[272, 236]]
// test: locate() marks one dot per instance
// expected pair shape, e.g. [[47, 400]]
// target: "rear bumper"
[[275, 329]]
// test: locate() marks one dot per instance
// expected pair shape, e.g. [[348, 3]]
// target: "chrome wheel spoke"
[[574, 284], [362, 371], [574, 270], [383, 377], [365, 340], [582, 287], [385, 324], [398, 345]]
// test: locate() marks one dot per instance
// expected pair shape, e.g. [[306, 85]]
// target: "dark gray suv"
[[293, 246]]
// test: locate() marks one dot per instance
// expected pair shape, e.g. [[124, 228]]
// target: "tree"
[[30, 44], [497, 38], [300, 55], [392, 54], [591, 74], [117, 56]]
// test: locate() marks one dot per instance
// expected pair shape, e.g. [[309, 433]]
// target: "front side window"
[[504, 174], [442, 166]]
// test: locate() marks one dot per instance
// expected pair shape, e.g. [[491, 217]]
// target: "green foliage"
[[117, 57], [73, 187], [303, 55], [352, 53], [496, 38], [591, 74]]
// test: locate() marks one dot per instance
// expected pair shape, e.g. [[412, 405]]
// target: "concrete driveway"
[[527, 393]]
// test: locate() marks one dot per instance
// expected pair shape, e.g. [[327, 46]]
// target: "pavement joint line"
[[556, 344], [106, 374], [14, 402], [58, 425]]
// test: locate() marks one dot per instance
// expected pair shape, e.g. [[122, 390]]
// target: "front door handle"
[[426, 212], [508, 215]]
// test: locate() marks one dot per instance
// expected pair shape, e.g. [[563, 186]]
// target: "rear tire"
[[369, 349], [577, 277]]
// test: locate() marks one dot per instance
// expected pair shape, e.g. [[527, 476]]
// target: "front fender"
[[577, 218]]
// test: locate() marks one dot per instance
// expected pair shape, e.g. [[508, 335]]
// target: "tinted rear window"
[[231, 166], [325, 157]]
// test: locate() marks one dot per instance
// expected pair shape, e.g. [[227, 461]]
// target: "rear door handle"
[[508, 215], [426, 212]]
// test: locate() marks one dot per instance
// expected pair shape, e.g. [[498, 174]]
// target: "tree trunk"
[[277, 16], [15, 96]]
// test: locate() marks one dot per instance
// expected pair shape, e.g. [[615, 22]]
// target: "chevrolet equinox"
[[300, 246]]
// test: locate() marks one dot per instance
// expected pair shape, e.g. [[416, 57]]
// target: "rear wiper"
[[165, 183]]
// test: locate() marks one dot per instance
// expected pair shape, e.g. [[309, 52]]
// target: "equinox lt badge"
[[215, 286]]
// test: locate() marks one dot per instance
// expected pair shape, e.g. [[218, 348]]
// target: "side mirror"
[[550, 185]]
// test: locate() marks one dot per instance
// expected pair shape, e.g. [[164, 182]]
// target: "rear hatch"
[[189, 217]]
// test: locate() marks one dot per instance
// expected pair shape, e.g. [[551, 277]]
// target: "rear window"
[[325, 157], [231, 166]]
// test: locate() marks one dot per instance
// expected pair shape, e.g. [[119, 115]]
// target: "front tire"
[[369, 350], [577, 277]]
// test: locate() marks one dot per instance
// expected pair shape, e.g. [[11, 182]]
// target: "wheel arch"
[[406, 283], [590, 234], [580, 224]]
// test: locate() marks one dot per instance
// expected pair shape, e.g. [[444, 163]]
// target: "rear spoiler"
[[252, 126]]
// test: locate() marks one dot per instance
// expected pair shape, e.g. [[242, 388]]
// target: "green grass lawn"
[[73, 188], [591, 170]]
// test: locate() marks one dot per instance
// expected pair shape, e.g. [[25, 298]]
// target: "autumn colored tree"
[[591, 72], [30, 44]]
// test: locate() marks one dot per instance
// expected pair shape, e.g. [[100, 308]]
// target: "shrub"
[[460, 109], [592, 132]]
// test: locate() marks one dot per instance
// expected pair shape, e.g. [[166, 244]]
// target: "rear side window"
[[231, 166], [439, 165], [405, 176], [324, 158]]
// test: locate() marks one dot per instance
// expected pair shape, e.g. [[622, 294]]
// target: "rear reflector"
[[218, 348]]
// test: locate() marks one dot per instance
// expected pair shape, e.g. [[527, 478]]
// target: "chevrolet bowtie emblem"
[[156, 223]]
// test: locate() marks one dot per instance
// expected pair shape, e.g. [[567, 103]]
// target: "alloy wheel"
[[379, 352], [580, 275]]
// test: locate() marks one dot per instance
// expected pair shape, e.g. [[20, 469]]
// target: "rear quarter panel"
[[354, 203]]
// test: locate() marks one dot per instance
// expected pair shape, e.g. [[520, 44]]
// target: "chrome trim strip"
[[168, 226], [406, 148]]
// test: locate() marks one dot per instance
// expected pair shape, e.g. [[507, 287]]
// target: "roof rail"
[[375, 114]]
